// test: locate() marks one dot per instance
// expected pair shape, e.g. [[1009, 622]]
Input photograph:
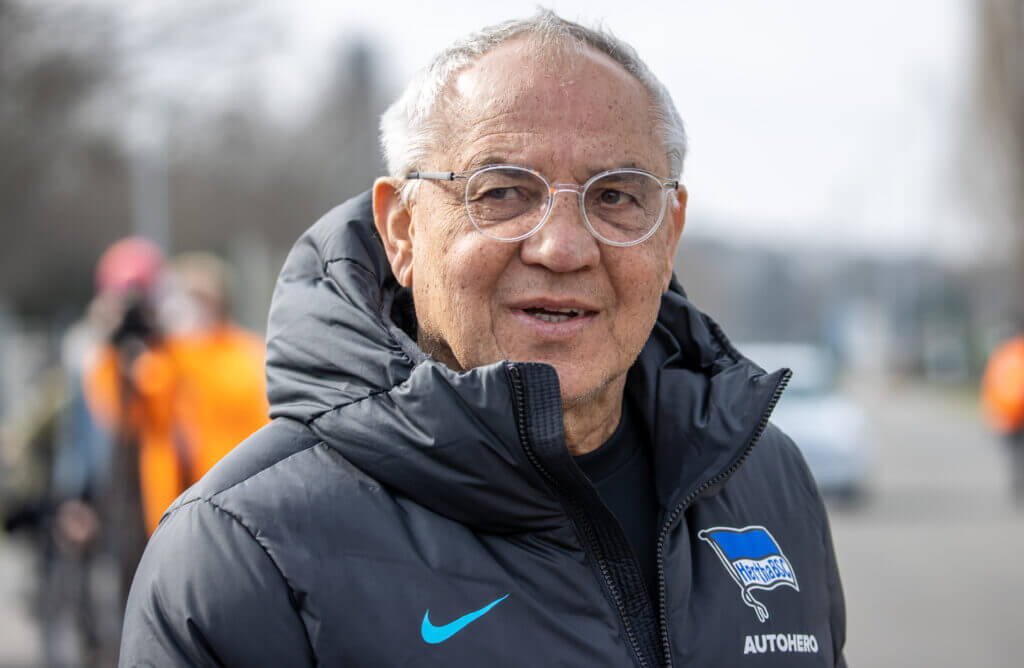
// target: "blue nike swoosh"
[[435, 634]]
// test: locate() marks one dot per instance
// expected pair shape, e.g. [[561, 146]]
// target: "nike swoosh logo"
[[437, 634]]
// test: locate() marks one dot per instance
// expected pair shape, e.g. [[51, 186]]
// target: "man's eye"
[[609, 196], [501, 193]]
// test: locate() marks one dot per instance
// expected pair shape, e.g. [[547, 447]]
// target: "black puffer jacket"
[[397, 513]]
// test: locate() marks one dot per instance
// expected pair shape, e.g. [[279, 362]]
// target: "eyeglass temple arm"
[[434, 176]]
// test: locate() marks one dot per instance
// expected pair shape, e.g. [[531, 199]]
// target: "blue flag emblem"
[[753, 558]]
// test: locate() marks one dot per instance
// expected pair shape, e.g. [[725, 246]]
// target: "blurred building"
[[909, 316]]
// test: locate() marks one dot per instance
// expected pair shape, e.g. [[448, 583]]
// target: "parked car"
[[827, 427]]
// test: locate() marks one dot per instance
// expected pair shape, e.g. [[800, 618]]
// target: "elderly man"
[[503, 436]]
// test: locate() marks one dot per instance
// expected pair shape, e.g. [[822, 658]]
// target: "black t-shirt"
[[622, 473]]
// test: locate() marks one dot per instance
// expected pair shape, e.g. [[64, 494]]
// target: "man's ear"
[[676, 219], [394, 224]]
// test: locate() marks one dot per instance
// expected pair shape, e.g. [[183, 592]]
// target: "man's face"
[[479, 300]]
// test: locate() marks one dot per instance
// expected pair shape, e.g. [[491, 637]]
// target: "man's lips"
[[554, 304], [554, 318], [554, 315]]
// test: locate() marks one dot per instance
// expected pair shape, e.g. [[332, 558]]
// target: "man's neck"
[[589, 421]]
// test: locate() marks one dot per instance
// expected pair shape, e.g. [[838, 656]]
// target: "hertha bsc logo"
[[754, 560]]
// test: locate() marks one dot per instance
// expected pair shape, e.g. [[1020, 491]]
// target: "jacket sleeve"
[[838, 602], [206, 593], [833, 583]]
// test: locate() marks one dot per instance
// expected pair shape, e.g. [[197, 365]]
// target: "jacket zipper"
[[670, 522], [576, 515]]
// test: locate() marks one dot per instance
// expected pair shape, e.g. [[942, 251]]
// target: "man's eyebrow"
[[488, 159], [597, 169]]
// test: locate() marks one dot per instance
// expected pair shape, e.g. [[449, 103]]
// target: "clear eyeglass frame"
[[668, 186]]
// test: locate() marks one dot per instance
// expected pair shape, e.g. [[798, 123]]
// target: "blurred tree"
[[59, 172], [81, 83], [248, 186], [244, 171], [341, 139], [83, 88]]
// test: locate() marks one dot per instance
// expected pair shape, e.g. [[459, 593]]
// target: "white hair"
[[410, 129]]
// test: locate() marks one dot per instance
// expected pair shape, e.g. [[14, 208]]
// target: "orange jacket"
[[1002, 387], [197, 397]]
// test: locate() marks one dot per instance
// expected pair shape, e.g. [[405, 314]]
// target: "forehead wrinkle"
[[508, 147], [531, 148], [506, 136], [597, 168]]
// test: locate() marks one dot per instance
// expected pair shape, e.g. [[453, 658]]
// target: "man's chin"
[[581, 389]]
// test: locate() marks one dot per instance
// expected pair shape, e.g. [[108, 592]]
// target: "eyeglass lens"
[[509, 202]]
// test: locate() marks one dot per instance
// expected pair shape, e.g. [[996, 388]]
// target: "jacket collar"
[[340, 359]]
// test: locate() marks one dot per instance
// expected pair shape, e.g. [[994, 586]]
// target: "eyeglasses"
[[621, 207]]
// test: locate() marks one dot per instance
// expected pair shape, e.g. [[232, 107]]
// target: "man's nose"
[[564, 243]]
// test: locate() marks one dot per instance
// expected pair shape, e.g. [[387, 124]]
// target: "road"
[[19, 637], [927, 561]]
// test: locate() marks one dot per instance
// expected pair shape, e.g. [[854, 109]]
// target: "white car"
[[828, 428]]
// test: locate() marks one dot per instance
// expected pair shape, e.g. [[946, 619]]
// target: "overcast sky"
[[813, 123]]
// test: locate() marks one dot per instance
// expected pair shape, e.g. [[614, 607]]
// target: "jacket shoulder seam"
[[314, 441], [337, 407]]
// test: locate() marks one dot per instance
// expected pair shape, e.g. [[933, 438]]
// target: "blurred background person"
[[217, 366], [178, 384], [57, 463], [1002, 399], [152, 387], [125, 394]]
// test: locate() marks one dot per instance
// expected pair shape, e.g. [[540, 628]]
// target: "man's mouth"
[[554, 315]]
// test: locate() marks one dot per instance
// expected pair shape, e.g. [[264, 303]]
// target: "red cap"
[[130, 264]]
